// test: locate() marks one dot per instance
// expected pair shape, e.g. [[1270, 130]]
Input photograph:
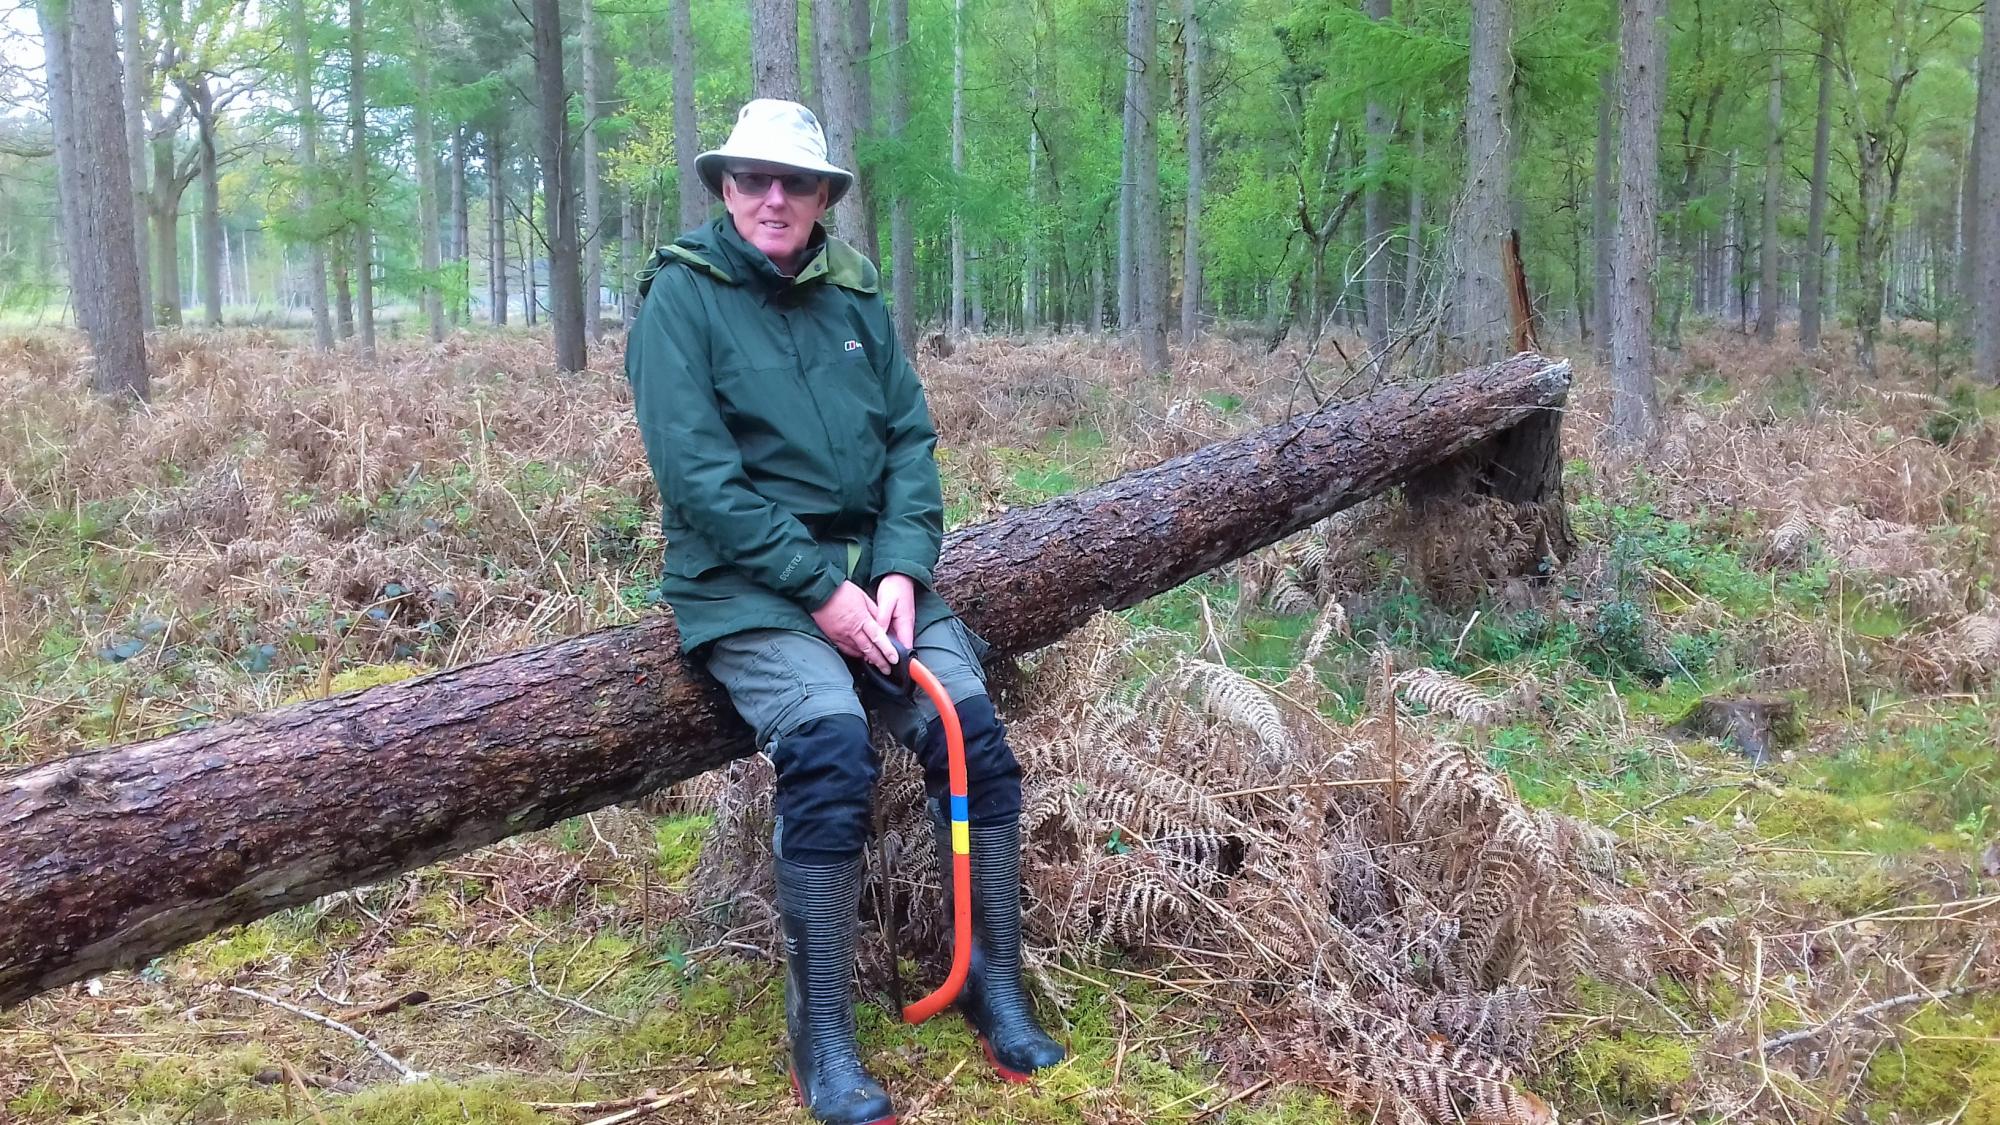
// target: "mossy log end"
[[110, 858]]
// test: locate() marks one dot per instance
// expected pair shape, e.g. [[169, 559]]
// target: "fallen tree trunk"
[[110, 858]]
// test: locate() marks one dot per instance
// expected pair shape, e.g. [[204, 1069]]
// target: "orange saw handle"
[[961, 851]]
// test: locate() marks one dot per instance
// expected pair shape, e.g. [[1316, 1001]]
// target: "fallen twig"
[[1880, 1006], [930, 1095], [1232, 1099], [407, 1073], [657, 1104], [383, 1007]]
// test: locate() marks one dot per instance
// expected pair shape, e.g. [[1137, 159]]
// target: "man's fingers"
[[876, 650], [879, 643]]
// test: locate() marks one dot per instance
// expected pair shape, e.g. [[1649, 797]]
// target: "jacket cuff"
[[819, 590], [916, 570]]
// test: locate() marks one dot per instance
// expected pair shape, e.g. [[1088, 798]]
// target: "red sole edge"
[[1006, 1074]]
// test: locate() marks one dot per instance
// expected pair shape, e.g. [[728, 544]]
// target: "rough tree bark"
[[1149, 242], [308, 111], [774, 49], [80, 42], [1812, 274], [594, 225], [54, 18], [902, 229], [1483, 321], [496, 220], [955, 327], [1985, 295], [1031, 240], [1375, 214], [1413, 240], [423, 139], [1774, 187], [110, 858], [1600, 206], [833, 77], [461, 225], [137, 79], [357, 154], [1641, 90], [861, 197], [208, 259], [1881, 145], [1128, 277], [687, 129], [558, 194], [1191, 239]]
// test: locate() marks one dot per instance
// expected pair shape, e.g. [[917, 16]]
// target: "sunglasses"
[[798, 184]]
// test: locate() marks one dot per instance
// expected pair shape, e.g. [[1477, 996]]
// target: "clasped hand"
[[861, 627]]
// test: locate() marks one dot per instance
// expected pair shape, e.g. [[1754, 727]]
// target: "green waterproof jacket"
[[786, 430]]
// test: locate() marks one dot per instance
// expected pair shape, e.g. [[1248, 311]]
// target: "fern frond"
[[1445, 694], [1235, 698]]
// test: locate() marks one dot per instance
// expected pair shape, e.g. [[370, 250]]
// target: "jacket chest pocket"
[[850, 381]]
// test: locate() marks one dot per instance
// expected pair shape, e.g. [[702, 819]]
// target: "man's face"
[[776, 221]]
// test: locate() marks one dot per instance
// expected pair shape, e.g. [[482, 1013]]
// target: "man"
[[794, 456]]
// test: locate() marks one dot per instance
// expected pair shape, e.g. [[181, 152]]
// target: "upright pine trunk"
[[565, 272], [629, 257], [357, 140], [956, 328], [1485, 330], [461, 228], [1641, 90], [137, 78], [1375, 213], [687, 133], [860, 83], [774, 49], [1774, 168], [201, 100], [1413, 241], [308, 111], [833, 75], [1986, 207], [423, 137], [1128, 275], [1601, 188], [1191, 241], [80, 45], [1812, 275], [593, 189], [496, 221], [1149, 243], [902, 234]]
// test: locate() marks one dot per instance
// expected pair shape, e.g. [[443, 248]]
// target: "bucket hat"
[[775, 132]]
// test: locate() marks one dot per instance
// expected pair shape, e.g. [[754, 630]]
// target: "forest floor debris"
[[1558, 905]]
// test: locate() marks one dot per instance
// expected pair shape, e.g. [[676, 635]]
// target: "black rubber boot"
[[817, 905], [994, 1001]]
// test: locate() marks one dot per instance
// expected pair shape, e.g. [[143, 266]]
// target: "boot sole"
[[801, 1096]]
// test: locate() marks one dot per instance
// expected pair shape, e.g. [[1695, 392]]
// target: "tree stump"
[[1754, 724]]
